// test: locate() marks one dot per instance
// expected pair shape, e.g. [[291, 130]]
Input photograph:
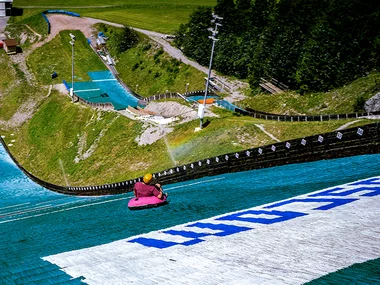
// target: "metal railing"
[[309, 118]]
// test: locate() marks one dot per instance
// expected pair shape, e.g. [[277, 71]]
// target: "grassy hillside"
[[26, 25], [14, 89], [68, 143], [65, 143], [56, 56], [145, 65], [149, 67], [338, 101]]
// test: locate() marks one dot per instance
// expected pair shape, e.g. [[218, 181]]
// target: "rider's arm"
[[159, 188]]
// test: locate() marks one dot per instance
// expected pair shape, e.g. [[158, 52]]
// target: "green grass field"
[[56, 56], [161, 16], [83, 3]]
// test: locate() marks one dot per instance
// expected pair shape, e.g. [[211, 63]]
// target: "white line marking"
[[86, 90], [191, 184], [64, 210], [35, 208], [100, 80], [13, 206], [24, 211]]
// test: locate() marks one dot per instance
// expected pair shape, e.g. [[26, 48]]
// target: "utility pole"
[[72, 42], [202, 108]]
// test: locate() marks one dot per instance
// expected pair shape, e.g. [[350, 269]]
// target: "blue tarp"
[[61, 12]]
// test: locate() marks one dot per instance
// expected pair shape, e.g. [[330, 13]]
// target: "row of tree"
[[309, 45]]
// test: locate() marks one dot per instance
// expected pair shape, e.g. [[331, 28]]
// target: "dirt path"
[[24, 112], [345, 126], [34, 32], [261, 127], [58, 23]]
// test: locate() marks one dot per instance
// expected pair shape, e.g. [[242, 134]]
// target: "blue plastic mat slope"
[[36, 223], [104, 88]]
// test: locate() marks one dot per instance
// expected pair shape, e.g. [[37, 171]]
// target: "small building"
[[10, 46], [100, 41], [5, 8]]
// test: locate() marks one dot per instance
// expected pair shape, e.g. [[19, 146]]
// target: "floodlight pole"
[[202, 108], [72, 42]]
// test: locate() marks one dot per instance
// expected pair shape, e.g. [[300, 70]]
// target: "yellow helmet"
[[147, 178]]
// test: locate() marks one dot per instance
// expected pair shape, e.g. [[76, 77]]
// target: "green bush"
[[359, 104]]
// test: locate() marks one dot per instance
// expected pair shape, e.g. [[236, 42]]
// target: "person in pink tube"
[[147, 189]]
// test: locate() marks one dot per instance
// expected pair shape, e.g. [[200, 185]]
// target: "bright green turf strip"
[[161, 16], [81, 3]]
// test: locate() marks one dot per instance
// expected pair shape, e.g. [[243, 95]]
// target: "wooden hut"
[[10, 46]]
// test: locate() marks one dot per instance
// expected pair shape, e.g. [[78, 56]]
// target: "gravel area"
[[153, 131], [235, 86]]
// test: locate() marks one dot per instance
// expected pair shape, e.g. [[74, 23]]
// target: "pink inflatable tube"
[[146, 202]]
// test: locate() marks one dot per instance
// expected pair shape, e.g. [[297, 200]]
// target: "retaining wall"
[[105, 106], [337, 144], [175, 95]]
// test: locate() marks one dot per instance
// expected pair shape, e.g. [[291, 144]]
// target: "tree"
[[192, 38], [227, 10], [308, 45], [242, 5], [126, 39], [260, 13]]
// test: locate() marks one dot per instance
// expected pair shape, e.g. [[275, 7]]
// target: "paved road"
[[234, 86], [174, 52]]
